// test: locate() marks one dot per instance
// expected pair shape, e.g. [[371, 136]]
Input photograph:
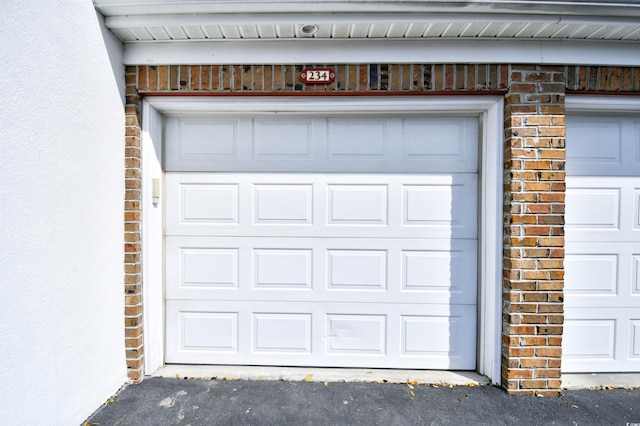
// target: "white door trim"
[[604, 104], [490, 111], [152, 239]]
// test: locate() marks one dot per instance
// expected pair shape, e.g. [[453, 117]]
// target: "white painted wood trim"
[[316, 51], [191, 19], [534, 7], [152, 241], [490, 244], [179, 106], [608, 104], [490, 111]]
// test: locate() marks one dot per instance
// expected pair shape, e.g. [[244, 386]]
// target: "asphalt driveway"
[[164, 401]]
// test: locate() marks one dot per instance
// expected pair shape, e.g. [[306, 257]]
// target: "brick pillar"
[[534, 192], [132, 230]]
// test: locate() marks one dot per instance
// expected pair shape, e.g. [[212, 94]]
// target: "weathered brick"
[[523, 307], [515, 351], [555, 319], [549, 393], [535, 297], [549, 329], [550, 263], [554, 352], [521, 264], [534, 384], [550, 308], [533, 363], [554, 362], [522, 329], [534, 319], [552, 242], [537, 230], [551, 219], [533, 341], [555, 341], [535, 275], [519, 374], [524, 219], [523, 87]]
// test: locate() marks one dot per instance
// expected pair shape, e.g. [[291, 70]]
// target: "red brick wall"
[[534, 191], [534, 154], [350, 79], [132, 229]]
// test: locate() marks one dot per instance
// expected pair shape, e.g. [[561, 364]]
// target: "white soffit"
[[261, 27]]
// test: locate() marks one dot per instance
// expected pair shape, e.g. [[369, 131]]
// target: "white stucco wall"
[[61, 221]]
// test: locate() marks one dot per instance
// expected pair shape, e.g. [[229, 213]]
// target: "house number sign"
[[318, 75]]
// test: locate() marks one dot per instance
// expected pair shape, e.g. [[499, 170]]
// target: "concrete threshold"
[[316, 374], [600, 380]]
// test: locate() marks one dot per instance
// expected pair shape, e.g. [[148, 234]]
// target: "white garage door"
[[602, 278], [322, 241]]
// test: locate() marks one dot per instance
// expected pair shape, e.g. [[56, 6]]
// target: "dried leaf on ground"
[[308, 378]]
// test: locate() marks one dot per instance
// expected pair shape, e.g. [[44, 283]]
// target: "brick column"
[[534, 194], [132, 230]]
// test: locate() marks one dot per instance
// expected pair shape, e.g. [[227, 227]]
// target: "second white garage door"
[[322, 241], [602, 280]]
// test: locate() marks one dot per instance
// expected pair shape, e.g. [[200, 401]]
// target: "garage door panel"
[[601, 274], [591, 133], [329, 205], [282, 204], [602, 340], [591, 338], [357, 138], [322, 144], [636, 209], [281, 332], [336, 334], [364, 204], [209, 267], [216, 331], [283, 139], [329, 269], [635, 281], [282, 269], [197, 143], [635, 339], [602, 209], [602, 146]]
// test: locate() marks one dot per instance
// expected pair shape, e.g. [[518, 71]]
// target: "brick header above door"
[[363, 79]]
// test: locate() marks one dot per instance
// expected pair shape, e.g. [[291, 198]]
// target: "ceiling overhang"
[[245, 23], [565, 7]]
